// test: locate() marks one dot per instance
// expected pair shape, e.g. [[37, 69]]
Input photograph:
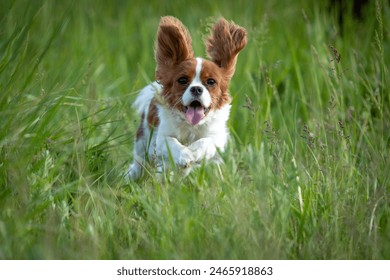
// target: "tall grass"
[[306, 173]]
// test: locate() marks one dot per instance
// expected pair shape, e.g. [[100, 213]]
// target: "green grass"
[[306, 173]]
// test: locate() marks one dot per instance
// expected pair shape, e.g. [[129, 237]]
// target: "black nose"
[[196, 91]]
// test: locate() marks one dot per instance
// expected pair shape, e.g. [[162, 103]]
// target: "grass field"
[[306, 173]]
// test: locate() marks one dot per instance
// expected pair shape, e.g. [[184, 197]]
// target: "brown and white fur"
[[184, 113]]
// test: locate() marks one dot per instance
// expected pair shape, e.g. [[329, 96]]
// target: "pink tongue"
[[194, 114]]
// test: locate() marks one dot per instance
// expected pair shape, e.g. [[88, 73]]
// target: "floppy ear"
[[173, 44], [225, 42]]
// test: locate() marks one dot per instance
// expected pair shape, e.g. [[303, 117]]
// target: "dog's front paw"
[[202, 149], [185, 158], [134, 172]]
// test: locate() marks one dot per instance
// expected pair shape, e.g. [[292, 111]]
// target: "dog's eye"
[[211, 82], [182, 80]]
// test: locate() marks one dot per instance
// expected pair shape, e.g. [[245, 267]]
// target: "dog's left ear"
[[223, 45], [173, 45]]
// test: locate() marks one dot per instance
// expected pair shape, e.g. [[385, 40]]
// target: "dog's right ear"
[[173, 45], [225, 42]]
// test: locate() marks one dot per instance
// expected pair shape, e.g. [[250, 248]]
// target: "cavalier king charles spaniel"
[[184, 112]]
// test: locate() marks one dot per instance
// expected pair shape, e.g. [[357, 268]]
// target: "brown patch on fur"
[[218, 92], [140, 130], [152, 118], [172, 89]]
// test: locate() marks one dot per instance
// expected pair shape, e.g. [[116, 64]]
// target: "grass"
[[306, 173]]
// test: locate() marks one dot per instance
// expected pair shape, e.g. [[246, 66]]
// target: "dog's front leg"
[[204, 148], [171, 147]]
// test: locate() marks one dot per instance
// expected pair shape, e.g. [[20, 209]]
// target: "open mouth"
[[195, 112]]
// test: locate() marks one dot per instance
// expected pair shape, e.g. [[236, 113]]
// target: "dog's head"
[[195, 86]]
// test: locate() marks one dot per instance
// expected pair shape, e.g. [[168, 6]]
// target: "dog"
[[184, 112]]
